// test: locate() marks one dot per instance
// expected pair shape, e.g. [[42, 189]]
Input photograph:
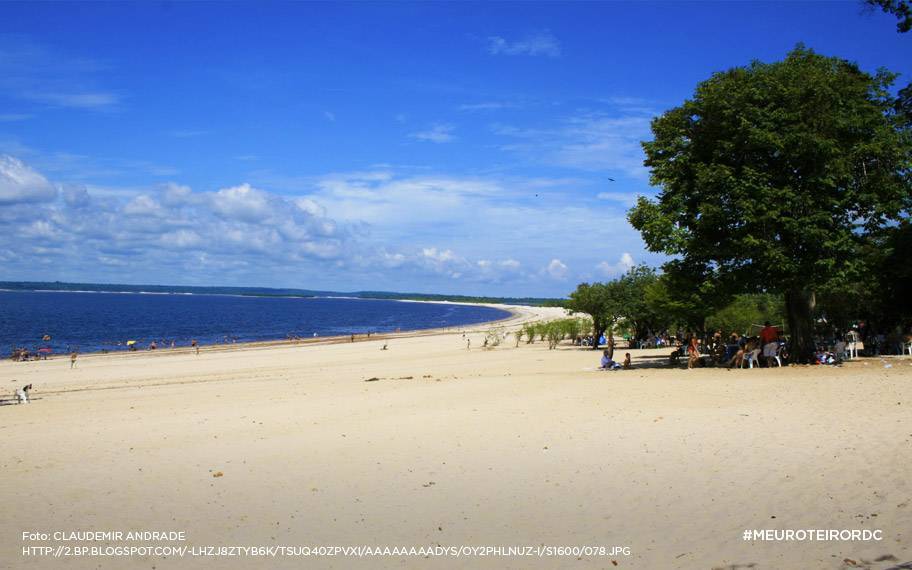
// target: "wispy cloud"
[[439, 133], [485, 106], [591, 141], [329, 116], [623, 198], [34, 72], [79, 100], [72, 166], [13, 117], [539, 43]]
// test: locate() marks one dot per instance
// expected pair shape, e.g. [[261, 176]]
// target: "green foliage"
[[882, 296], [899, 8], [677, 304], [556, 331], [772, 172], [745, 311], [494, 337], [603, 302], [529, 331], [773, 175], [638, 315]]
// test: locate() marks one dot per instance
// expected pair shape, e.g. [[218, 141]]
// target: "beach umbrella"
[[46, 338], [131, 342], [46, 350]]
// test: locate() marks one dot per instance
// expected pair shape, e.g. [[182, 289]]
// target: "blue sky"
[[488, 148]]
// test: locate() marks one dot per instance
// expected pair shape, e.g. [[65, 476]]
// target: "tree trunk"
[[611, 343], [799, 307], [598, 328]]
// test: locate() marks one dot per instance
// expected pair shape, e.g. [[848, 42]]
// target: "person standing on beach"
[[195, 346], [468, 344], [769, 342], [693, 352], [73, 360]]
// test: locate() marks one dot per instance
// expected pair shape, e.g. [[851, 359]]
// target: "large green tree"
[[771, 176], [635, 309], [604, 302]]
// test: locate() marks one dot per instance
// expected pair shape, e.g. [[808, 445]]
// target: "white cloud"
[[510, 264], [375, 229], [623, 265], [181, 239], [541, 43], [75, 195], [243, 203], [557, 269], [439, 133], [143, 205], [176, 194], [329, 116], [239, 227], [19, 183]]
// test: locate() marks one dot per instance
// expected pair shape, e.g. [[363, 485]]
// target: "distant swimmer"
[[73, 359]]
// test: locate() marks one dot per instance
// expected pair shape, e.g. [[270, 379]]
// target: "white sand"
[[453, 447]]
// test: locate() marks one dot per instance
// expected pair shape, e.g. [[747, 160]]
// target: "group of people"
[[608, 363], [588, 340], [21, 354], [660, 340], [767, 348]]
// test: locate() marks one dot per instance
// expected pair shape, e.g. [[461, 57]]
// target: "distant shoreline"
[[261, 292]]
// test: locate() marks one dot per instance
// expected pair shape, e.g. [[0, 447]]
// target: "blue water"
[[92, 322]]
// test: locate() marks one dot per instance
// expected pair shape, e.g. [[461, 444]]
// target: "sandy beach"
[[430, 444]]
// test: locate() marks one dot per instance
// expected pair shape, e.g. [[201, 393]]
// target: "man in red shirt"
[[768, 333], [769, 340]]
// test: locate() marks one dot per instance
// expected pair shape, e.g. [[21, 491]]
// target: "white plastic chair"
[[853, 339], [751, 357]]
